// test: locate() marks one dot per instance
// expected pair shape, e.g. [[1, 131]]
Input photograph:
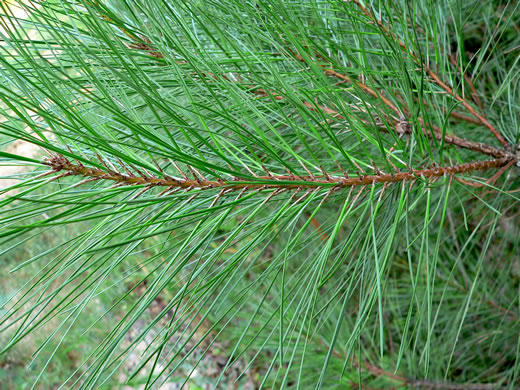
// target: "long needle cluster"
[[503, 157]]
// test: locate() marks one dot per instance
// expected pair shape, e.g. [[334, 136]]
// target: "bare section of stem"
[[59, 163]]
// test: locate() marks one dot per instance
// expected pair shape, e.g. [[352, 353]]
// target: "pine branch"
[[222, 105], [59, 163]]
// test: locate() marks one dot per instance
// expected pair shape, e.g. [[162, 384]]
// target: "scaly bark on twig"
[[59, 163]]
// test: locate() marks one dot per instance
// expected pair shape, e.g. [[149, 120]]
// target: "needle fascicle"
[[196, 174], [125, 167], [219, 195], [361, 172], [58, 177], [192, 197], [307, 193], [88, 179], [137, 170], [289, 173], [267, 171], [250, 171], [120, 184], [147, 173], [274, 193], [164, 191], [296, 192], [172, 190], [375, 168], [102, 162], [180, 171], [327, 176], [241, 193], [112, 169], [306, 169], [344, 172], [141, 192], [157, 166], [43, 174]]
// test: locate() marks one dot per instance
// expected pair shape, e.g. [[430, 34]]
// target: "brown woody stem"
[[59, 163], [414, 383], [433, 75], [461, 142], [468, 107], [437, 133]]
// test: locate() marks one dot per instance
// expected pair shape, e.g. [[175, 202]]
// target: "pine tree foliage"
[[330, 187]]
